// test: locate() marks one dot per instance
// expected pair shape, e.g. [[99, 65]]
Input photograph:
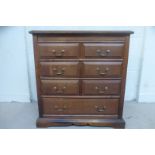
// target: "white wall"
[[13, 66], [17, 61], [147, 79]]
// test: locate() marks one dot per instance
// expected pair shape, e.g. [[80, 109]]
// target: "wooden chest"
[[81, 77]]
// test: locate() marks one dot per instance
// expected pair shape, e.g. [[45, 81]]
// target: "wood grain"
[[81, 77]]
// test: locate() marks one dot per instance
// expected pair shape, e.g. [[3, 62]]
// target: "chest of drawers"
[[81, 77]]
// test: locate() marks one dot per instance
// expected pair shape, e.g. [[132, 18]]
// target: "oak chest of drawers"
[[81, 77]]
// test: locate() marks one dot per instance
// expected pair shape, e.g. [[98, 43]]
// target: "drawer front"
[[102, 69], [79, 38], [60, 87], [59, 69], [101, 87], [103, 50], [59, 50], [79, 106]]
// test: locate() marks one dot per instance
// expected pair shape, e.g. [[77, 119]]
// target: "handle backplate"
[[101, 91], [60, 71], [58, 90], [103, 53], [60, 109], [100, 108], [58, 53], [102, 73]]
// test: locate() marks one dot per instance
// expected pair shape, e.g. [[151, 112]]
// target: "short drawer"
[[59, 69], [60, 87], [103, 50], [101, 87], [102, 69], [87, 106], [58, 50]]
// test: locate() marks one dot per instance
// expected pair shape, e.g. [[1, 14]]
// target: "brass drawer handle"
[[59, 71], [103, 53], [99, 72], [101, 91], [59, 91], [57, 108], [100, 109], [59, 53]]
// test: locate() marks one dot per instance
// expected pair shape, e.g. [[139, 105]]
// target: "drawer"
[[58, 50], [102, 69], [80, 38], [60, 87], [101, 87], [67, 106], [103, 50], [59, 69]]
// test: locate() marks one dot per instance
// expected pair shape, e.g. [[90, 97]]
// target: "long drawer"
[[67, 106]]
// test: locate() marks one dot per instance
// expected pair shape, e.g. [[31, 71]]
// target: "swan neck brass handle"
[[58, 53], [102, 73], [60, 109], [59, 71], [99, 72], [101, 91], [103, 53], [59, 91], [100, 109]]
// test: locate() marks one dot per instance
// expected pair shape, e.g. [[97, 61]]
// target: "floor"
[[23, 116]]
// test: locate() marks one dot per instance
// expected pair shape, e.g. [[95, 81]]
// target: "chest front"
[[81, 77]]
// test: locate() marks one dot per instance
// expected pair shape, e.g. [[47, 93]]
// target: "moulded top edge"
[[82, 32]]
